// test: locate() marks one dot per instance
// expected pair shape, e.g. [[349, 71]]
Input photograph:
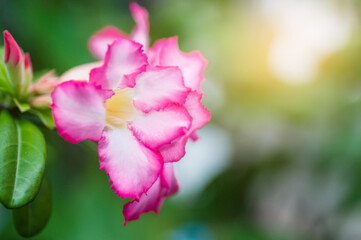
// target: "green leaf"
[[45, 116], [22, 160], [30, 219], [23, 107]]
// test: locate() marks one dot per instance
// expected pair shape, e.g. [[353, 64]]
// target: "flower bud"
[[12, 52], [18, 66], [28, 72], [45, 84], [41, 101]]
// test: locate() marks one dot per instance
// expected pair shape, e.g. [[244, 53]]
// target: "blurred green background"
[[281, 158]]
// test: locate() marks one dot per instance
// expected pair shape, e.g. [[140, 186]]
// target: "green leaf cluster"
[[23, 187]]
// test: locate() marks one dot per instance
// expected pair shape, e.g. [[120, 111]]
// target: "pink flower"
[[141, 105]]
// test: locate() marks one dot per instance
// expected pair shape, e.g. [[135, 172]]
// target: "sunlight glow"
[[305, 32]]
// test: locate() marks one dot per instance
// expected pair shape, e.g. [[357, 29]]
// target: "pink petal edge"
[[123, 61], [99, 42], [140, 33], [165, 52], [147, 203], [175, 151], [158, 128], [158, 87], [120, 154], [78, 110], [165, 186]]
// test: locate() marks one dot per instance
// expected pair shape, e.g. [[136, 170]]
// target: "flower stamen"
[[120, 108]]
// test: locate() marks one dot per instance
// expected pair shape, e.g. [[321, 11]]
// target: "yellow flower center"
[[119, 108]]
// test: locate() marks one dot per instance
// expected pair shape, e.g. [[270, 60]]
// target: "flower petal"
[[80, 72], [99, 42], [123, 61], [78, 110], [140, 32], [132, 167], [165, 186], [154, 53], [198, 112], [168, 180], [158, 128], [194, 136], [158, 87], [175, 151], [165, 52], [200, 116], [152, 201]]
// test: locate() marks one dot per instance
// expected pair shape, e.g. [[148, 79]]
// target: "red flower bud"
[[12, 53], [27, 61]]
